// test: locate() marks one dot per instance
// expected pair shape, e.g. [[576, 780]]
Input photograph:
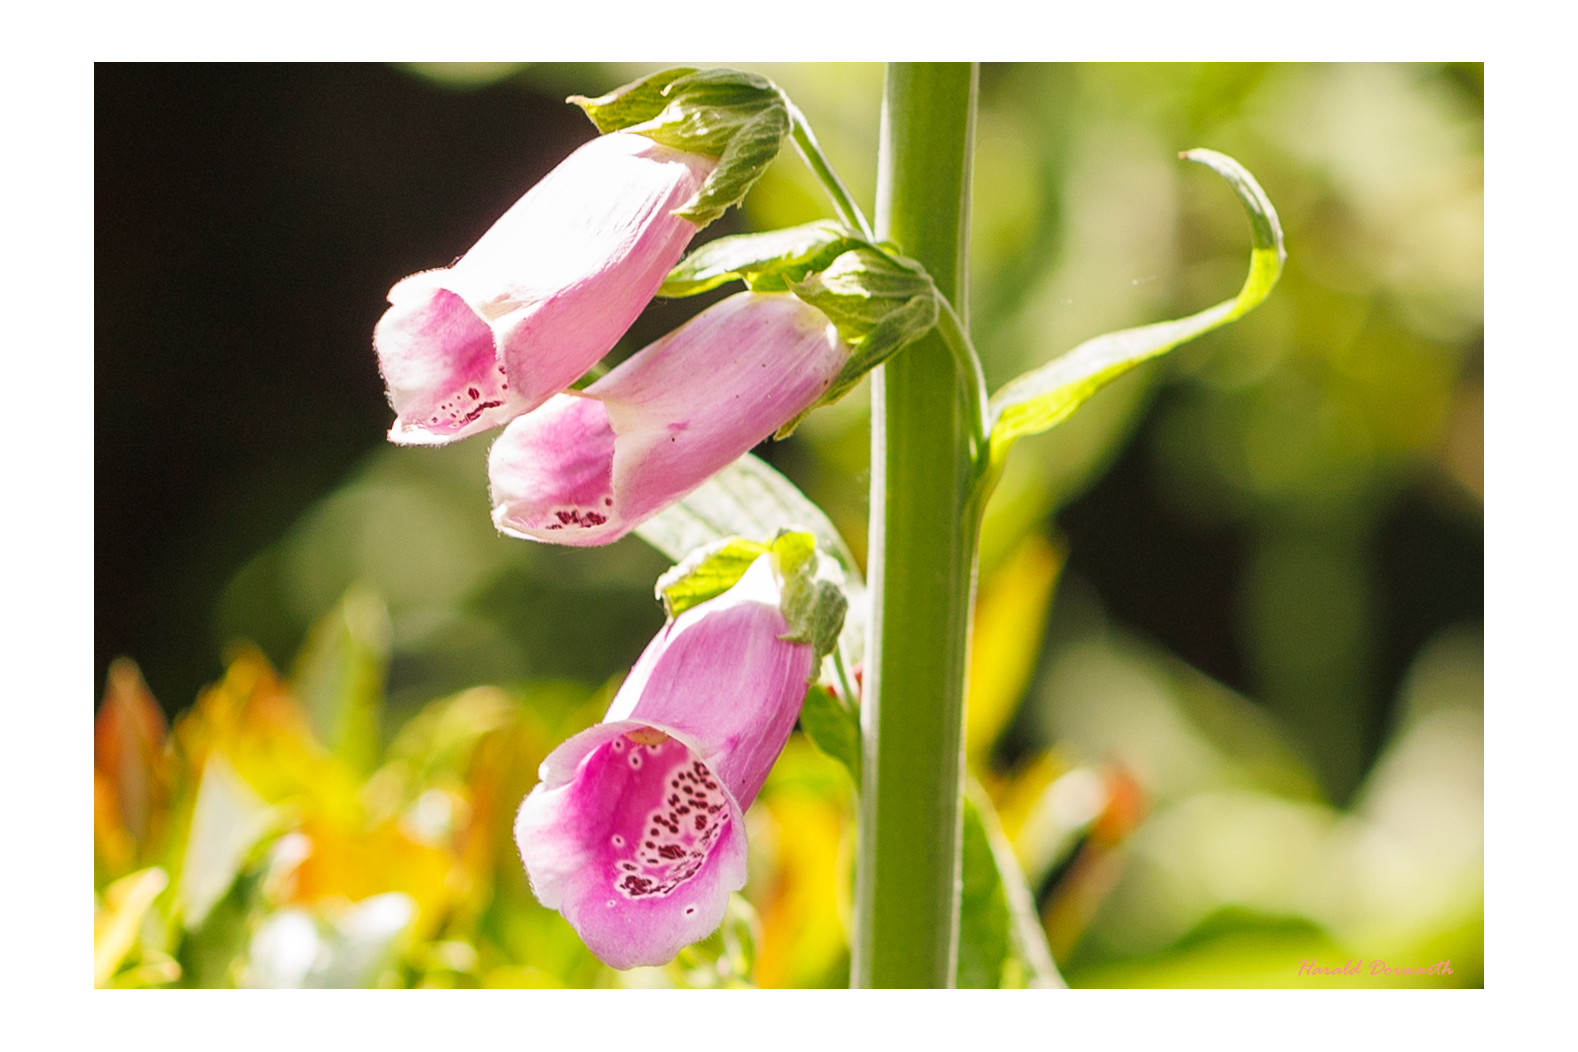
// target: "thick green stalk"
[[922, 556]]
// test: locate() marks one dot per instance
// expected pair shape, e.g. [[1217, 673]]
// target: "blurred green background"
[[1228, 680]]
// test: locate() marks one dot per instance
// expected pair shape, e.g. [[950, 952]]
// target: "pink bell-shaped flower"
[[588, 467], [546, 292], [635, 833]]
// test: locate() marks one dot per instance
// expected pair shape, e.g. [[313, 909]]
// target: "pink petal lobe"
[[551, 474], [638, 846], [443, 377]]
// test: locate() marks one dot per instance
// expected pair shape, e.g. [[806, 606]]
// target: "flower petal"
[[443, 376], [552, 470], [638, 845], [687, 406]]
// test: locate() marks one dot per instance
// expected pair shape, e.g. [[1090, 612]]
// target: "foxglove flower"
[[588, 467], [635, 833], [545, 293]]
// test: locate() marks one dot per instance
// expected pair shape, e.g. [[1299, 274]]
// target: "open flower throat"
[[658, 848]]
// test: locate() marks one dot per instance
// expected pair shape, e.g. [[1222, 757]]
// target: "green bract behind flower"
[[879, 302], [740, 118], [811, 583], [766, 262]]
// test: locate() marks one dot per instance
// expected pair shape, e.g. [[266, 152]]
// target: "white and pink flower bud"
[[545, 293], [635, 832], [588, 467]]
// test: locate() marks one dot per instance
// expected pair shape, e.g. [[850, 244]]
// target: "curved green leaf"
[[880, 303], [1001, 941], [1045, 397], [753, 146]]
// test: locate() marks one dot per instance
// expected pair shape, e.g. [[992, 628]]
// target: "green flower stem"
[[811, 151], [922, 557], [972, 377]]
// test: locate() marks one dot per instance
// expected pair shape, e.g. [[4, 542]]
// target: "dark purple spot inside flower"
[[482, 407]]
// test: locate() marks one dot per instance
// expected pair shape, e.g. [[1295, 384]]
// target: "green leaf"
[[706, 573], [880, 303], [984, 945], [762, 260], [746, 499], [339, 676], [1046, 396], [749, 499], [707, 108], [832, 727], [810, 592], [740, 118], [631, 104], [1001, 941], [751, 149], [794, 552], [863, 286]]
